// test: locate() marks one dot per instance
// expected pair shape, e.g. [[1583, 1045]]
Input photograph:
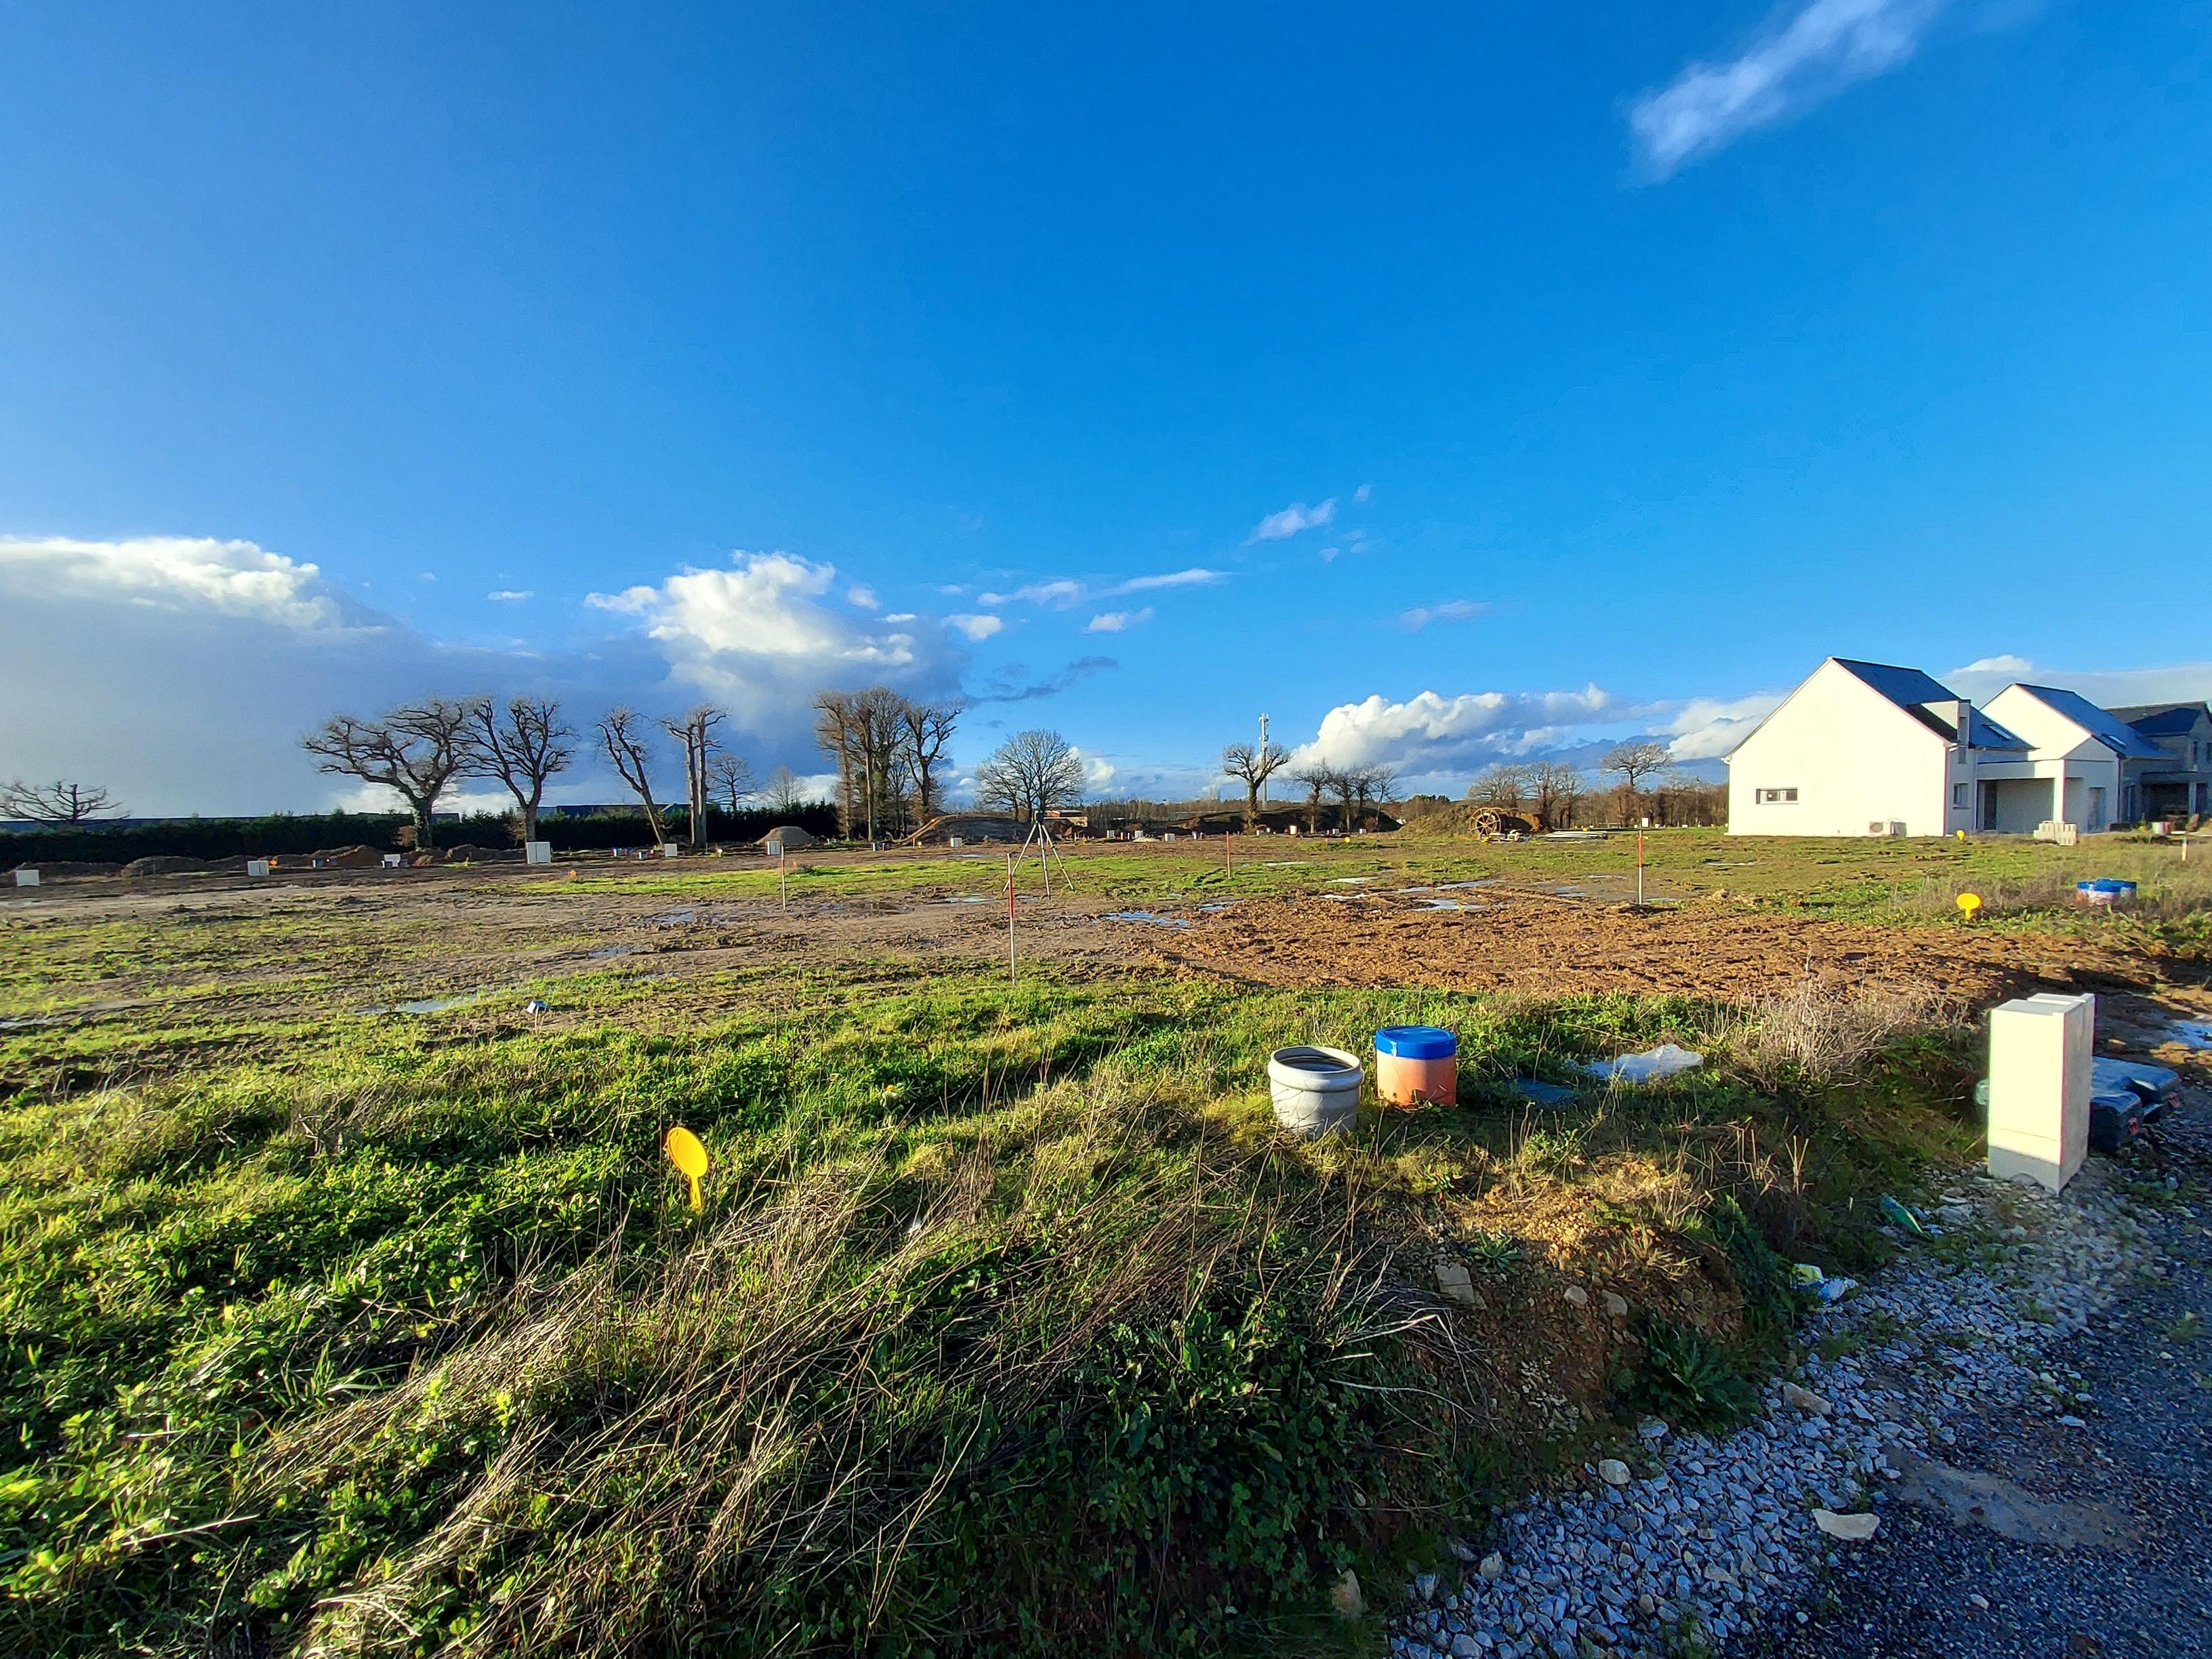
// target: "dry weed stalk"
[[1829, 1030]]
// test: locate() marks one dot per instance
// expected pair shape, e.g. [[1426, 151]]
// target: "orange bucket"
[[1415, 1064]]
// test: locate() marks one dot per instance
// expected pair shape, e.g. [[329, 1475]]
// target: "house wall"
[[2090, 792], [1854, 758]]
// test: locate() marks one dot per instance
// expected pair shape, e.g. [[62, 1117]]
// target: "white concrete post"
[[2040, 1049], [537, 852]]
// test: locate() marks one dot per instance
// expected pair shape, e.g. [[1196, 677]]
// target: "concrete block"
[[256, 867], [537, 852], [27, 878], [2040, 1051]]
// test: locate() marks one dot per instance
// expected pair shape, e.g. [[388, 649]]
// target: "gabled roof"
[[2162, 720], [2115, 734], [1906, 687], [1914, 691]]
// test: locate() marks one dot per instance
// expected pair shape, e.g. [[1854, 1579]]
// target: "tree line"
[[421, 749]]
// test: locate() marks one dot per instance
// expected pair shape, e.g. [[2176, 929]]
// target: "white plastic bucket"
[[1316, 1091]]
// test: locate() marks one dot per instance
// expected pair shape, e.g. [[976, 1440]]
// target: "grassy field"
[[1009, 1323]]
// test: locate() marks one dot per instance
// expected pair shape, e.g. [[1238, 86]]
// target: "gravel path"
[[2012, 1442]]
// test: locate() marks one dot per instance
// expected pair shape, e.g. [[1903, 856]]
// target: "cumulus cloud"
[[862, 596], [977, 628], [1433, 733], [1449, 610], [1115, 621], [510, 595], [177, 574], [1292, 520], [1363, 493], [2108, 687], [1706, 728], [181, 671], [1793, 65]]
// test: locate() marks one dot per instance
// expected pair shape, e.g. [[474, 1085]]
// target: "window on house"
[[1775, 797], [1958, 794]]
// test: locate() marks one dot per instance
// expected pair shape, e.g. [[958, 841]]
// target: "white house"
[[2073, 769], [1867, 749]]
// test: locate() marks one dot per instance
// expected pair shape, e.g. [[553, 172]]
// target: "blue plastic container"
[[1416, 1043], [1415, 1064], [2105, 890]]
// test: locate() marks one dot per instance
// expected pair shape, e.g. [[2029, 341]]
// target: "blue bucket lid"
[[1416, 1043], [2106, 885]]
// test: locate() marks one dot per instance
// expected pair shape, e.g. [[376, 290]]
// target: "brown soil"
[[1552, 946]]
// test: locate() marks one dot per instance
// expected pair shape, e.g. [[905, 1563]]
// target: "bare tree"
[[1319, 779], [878, 722], [926, 730], [522, 746], [695, 733], [786, 793], [1029, 773], [1504, 786], [59, 802], [1373, 784], [1633, 763], [733, 779], [623, 736], [1252, 764], [834, 714], [417, 750], [1553, 789]]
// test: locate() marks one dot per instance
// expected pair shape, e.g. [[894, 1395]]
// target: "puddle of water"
[[424, 1005], [1571, 892], [1456, 886], [1287, 864], [606, 951], [672, 918], [1153, 917], [1349, 881], [1451, 904], [1222, 904], [968, 898]]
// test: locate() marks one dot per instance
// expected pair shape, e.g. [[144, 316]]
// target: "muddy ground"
[[356, 940]]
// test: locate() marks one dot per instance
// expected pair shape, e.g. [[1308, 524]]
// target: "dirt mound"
[[356, 857], [51, 867], [1559, 947], [164, 863]]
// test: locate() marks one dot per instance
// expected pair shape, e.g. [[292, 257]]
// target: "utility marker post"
[[783, 877], [1012, 973], [1639, 861]]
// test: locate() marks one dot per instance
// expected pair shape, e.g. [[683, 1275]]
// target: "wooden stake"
[[783, 876], [1013, 974]]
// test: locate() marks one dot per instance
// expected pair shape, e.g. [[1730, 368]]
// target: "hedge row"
[[224, 838]]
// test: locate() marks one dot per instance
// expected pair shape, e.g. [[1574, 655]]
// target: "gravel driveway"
[[2031, 1537]]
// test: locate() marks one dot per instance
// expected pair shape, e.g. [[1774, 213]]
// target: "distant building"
[[1872, 749], [2177, 782], [1865, 749]]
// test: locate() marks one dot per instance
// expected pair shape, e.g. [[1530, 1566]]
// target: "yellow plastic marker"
[[1968, 903], [689, 1157]]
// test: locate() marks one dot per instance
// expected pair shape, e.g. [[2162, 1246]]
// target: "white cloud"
[[1329, 554], [2108, 687], [900, 617], [1292, 520], [510, 595], [863, 596], [1789, 68], [1196, 576], [1705, 728], [174, 573], [182, 672], [1060, 595], [1115, 621], [975, 627], [1431, 733], [1363, 493], [1449, 610]]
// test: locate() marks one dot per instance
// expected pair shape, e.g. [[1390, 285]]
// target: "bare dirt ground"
[[358, 938], [1554, 945]]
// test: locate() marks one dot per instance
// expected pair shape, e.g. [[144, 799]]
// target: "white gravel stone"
[[1726, 1533]]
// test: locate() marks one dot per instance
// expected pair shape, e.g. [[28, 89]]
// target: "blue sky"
[[1445, 385]]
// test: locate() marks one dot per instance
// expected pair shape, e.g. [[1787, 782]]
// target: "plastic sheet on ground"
[[1648, 1067]]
